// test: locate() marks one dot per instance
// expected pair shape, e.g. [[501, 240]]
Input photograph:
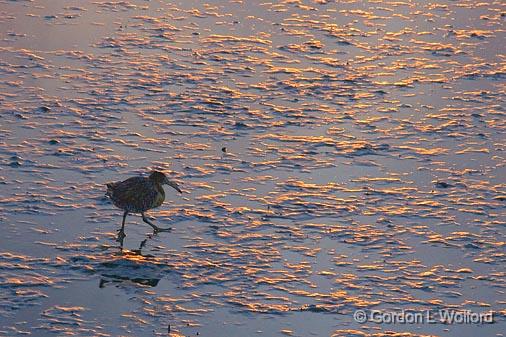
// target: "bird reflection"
[[118, 279], [131, 266]]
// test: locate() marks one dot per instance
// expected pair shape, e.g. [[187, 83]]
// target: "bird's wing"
[[134, 194]]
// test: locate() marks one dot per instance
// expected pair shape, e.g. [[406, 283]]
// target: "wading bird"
[[139, 194]]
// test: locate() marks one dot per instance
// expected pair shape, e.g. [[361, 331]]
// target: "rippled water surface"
[[335, 156]]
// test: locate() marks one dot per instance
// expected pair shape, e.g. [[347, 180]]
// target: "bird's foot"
[[159, 229], [121, 236]]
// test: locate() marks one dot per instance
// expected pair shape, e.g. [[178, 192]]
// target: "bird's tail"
[[110, 189]]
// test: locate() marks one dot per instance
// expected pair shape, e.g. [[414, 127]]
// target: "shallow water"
[[363, 166]]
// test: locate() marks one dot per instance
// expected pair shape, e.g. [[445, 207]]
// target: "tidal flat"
[[334, 156]]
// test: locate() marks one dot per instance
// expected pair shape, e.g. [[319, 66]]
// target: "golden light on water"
[[334, 156]]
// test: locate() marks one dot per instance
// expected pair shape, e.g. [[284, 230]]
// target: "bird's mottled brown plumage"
[[139, 194]]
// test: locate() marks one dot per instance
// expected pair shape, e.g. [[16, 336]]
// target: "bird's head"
[[160, 178]]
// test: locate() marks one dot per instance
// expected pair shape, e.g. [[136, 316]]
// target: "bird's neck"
[[159, 188]]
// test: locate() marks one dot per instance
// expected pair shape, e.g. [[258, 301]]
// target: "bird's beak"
[[173, 184]]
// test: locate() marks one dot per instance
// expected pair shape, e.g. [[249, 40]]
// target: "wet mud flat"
[[335, 157]]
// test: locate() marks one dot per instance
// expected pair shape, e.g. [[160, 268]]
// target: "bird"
[[138, 195]]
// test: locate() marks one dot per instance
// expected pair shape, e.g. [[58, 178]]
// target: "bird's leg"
[[121, 233], [146, 220], [155, 228]]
